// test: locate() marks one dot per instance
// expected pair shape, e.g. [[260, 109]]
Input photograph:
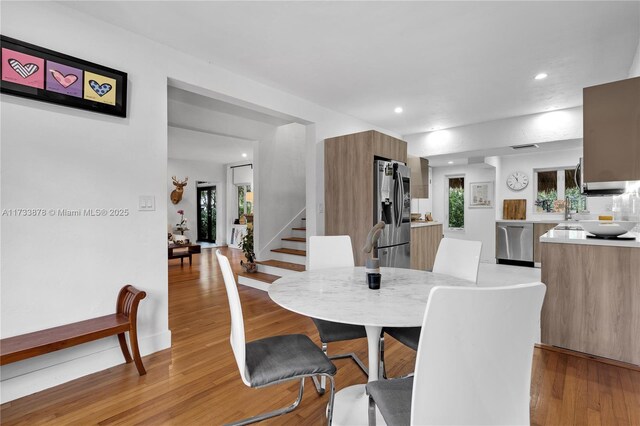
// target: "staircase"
[[290, 258]]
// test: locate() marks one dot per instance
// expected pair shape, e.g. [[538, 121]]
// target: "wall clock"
[[517, 181]]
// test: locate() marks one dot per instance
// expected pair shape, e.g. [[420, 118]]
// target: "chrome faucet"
[[567, 209]]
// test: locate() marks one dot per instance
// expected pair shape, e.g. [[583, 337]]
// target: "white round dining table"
[[342, 295]]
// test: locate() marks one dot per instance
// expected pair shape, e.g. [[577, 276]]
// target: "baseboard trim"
[[33, 375], [589, 356]]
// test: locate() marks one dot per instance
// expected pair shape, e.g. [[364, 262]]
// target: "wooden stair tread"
[[283, 265], [295, 239], [259, 276], [291, 251], [300, 229]]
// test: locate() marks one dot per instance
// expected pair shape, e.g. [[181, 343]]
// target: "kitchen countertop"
[[421, 223], [580, 237], [535, 221]]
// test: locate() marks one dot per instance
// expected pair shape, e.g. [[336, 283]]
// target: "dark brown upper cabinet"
[[612, 131]]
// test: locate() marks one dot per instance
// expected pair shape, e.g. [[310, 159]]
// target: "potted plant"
[[246, 244]]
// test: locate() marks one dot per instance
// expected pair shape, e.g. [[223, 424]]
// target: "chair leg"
[[275, 413], [332, 392], [322, 383], [383, 369], [372, 412], [355, 359]]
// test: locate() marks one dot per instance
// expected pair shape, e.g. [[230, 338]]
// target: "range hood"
[[592, 189]]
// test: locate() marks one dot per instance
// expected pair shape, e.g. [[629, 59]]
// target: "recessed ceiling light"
[[244, 154], [398, 110], [450, 162], [541, 76]]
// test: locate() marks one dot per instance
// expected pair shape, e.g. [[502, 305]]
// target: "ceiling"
[[185, 144], [206, 129], [446, 63]]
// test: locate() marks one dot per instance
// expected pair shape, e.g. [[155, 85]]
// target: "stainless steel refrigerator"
[[392, 205]]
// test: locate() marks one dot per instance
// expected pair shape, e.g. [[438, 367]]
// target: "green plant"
[[545, 199], [456, 208], [246, 244], [578, 202]]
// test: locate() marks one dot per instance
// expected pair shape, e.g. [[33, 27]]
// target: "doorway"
[[206, 196]]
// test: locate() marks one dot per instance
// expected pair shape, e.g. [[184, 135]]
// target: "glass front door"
[[207, 214]]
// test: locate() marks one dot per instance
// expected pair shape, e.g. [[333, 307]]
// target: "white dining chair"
[[457, 258], [473, 365], [334, 252], [273, 360]]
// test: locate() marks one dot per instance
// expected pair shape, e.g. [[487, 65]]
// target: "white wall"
[[57, 157], [527, 163], [57, 270], [280, 183], [479, 223], [203, 171]]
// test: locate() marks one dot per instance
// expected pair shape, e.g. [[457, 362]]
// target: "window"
[[556, 189], [245, 201], [455, 205]]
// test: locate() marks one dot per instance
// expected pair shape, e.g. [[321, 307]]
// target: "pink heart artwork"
[[64, 80]]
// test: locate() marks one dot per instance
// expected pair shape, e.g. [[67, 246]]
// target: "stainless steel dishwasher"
[[515, 241]]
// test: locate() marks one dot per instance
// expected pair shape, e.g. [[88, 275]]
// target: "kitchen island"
[[592, 304]]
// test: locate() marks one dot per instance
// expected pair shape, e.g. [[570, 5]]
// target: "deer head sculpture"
[[176, 194]]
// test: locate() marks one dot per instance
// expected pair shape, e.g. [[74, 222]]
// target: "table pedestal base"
[[351, 408]]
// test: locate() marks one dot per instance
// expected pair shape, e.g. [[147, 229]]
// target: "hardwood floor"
[[197, 381]]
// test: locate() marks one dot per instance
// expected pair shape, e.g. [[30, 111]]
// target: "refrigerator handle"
[[396, 206], [401, 185]]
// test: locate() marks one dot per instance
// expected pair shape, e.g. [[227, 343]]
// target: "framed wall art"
[[481, 195], [41, 74]]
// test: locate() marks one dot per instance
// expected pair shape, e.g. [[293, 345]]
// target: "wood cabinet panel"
[[612, 131], [592, 299], [540, 229], [348, 183], [386, 146], [419, 176], [424, 246]]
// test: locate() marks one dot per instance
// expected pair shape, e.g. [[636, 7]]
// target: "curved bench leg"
[[125, 349], [133, 339]]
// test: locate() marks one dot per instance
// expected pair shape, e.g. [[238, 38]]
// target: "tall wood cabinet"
[[419, 176], [348, 182], [612, 131], [425, 241]]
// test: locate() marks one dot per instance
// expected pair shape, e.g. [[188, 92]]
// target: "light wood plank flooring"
[[197, 382]]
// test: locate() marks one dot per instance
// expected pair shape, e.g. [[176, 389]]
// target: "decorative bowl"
[[607, 228], [416, 216]]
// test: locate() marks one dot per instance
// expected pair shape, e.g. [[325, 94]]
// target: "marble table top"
[[342, 295]]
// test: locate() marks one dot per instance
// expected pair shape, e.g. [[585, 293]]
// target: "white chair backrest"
[[458, 258], [237, 337], [475, 354], [330, 252]]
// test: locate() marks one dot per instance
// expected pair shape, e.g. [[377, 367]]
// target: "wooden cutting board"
[[514, 210]]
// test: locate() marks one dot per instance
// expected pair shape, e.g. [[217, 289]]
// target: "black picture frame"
[[33, 72]]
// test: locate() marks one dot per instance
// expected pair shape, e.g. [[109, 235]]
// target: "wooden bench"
[[189, 250], [25, 346]]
